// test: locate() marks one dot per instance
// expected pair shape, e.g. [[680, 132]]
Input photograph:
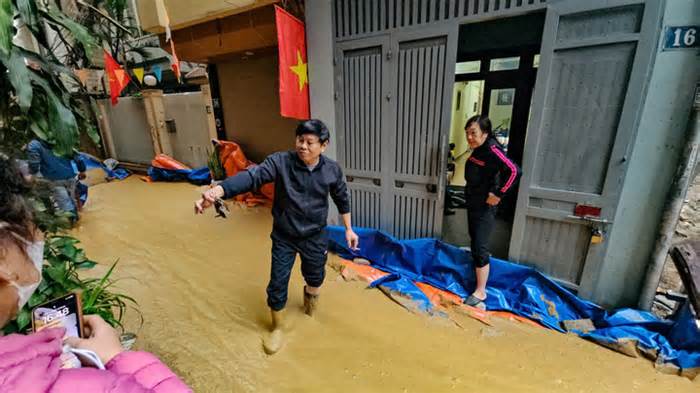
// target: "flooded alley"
[[200, 283]]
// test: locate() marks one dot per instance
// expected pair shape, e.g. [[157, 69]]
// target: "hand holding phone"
[[101, 338]]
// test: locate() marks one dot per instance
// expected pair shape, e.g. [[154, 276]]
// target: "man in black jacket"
[[304, 179]]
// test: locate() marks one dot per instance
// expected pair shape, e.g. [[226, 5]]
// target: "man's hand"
[[207, 199], [352, 239], [493, 200]]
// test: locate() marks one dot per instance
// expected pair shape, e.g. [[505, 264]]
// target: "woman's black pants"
[[481, 221]]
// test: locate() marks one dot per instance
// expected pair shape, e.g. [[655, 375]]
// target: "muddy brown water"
[[200, 283]]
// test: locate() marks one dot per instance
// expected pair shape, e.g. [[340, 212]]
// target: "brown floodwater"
[[200, 283]]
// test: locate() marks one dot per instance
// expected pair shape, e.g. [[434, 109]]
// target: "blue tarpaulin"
[[92, 163], [199, 176], [522, 291]]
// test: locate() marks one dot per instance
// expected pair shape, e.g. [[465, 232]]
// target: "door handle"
[[442, 163], [375, 181], [590, 220]]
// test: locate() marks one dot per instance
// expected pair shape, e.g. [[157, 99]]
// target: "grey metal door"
[[361, 85], [421, 69], [190, 139], [393, 118], [594, 58]]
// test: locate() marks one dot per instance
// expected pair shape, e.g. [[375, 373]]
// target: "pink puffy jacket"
[[32, 364]]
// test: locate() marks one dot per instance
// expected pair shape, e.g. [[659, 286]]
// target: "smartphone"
[[65, 312]]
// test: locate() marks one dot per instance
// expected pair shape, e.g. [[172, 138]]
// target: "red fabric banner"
[[293, 75], [118, 78]]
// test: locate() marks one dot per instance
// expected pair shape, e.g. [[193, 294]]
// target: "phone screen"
[[62, 312]]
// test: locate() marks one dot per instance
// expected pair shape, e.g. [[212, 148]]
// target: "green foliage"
[[35, 102], [34, 83], [20, 78], [28, 11], [78, 31], [6, 29], [63, 259], [99, 299], [63, 123], [215, 167]]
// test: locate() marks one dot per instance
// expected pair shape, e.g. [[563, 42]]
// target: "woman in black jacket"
[[490, 175]]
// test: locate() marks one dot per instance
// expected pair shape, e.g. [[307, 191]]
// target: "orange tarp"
[[166, 162], [234, 160], [439, 298]]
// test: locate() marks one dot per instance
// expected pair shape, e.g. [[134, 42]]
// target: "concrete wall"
[[129, 130], [319, 43], [653, 160], [128, 135], [319, 52], [250, 101], [191, 140]]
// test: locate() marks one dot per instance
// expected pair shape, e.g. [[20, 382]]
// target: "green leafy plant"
[[62, 261], [38, 99], [35, 100], [215, 167], [98, 298], [110, 20]]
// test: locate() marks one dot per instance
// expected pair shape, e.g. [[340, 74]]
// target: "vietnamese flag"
[[118, 78], [176, 62], [294, 80]]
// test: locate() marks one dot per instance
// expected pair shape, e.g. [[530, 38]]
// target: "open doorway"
[[495, 74]]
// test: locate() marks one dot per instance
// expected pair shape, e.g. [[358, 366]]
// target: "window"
[[505, 64], [468, 67], [501, 114]]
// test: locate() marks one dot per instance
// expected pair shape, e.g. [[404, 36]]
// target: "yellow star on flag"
[[121, 76], [300, 70]]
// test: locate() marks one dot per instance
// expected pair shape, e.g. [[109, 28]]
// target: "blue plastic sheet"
[[199, 176], [92, 163], [522, 291]]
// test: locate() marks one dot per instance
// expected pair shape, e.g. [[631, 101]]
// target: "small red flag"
[[294, 81], [118, 78], [176, 62]]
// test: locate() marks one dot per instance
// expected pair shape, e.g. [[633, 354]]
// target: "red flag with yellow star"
[[294, 81], [118, 78]]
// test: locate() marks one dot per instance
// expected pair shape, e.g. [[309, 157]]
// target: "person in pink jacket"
[[33, 363]]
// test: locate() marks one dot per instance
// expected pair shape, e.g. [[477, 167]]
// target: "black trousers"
[[314, 253], [481, 221]]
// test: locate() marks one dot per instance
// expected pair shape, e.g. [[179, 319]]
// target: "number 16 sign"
[[681, 37]]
